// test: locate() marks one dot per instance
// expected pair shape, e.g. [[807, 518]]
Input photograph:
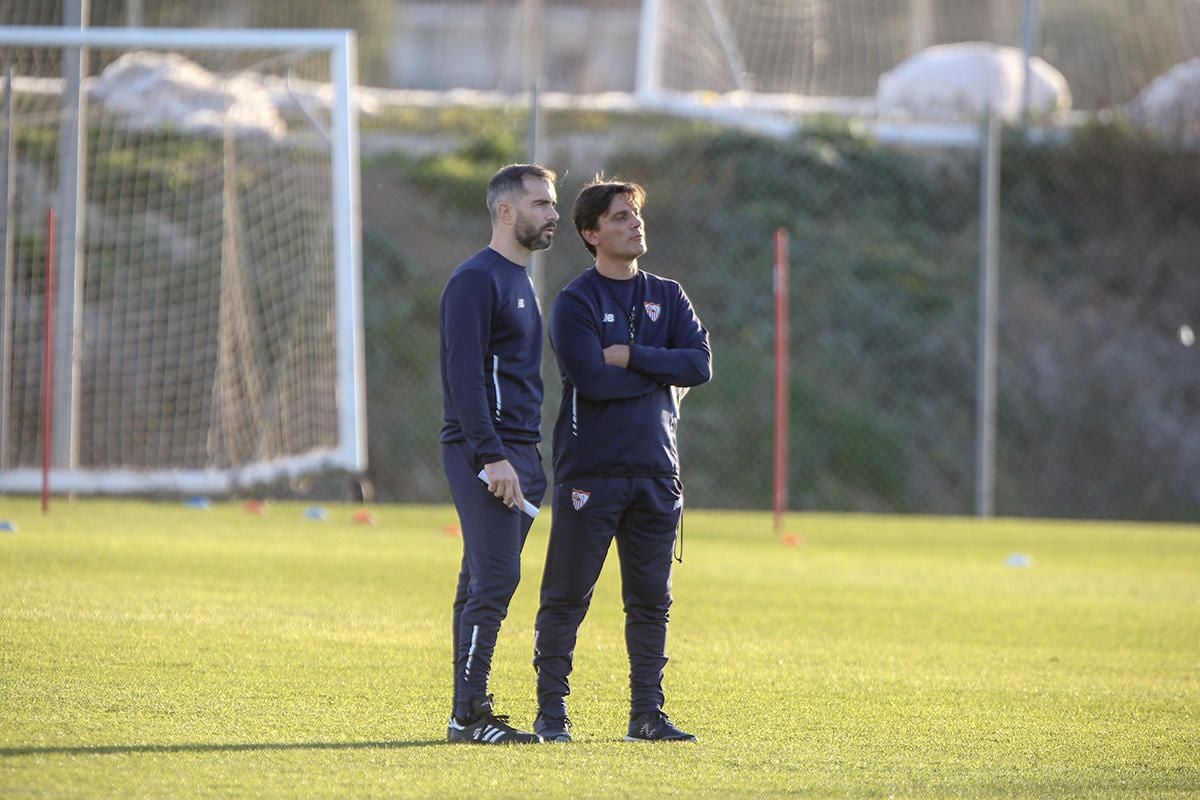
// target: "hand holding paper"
[[529, 508]]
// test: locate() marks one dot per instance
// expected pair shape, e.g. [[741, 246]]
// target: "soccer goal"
[[182, 285], [755, 46], [755, 63]]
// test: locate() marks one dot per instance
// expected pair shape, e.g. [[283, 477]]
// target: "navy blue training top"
[[614, 421], [491, 330]]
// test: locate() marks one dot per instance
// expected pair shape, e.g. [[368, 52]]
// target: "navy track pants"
[[642, 514], [493, 536]]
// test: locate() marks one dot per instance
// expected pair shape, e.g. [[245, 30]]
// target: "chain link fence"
[[1097, 392], [1098, 384]]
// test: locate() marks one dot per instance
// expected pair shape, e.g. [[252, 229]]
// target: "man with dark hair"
[[628, 344], [491, 354]]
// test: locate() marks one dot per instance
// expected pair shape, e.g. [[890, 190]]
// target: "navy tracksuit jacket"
[[616, 469], [491, 354]]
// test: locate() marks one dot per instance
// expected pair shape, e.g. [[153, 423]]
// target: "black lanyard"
[[632, 315]]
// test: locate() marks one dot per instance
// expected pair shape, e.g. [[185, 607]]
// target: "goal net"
[[695, 56], [200, 192], [714, 45]]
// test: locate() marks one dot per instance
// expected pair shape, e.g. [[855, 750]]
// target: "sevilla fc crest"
[[579, 498], [653, 310]]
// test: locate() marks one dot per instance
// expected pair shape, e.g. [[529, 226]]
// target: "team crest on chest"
[[653, 310], [579, 498]]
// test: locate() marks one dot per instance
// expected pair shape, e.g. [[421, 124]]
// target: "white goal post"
[[208, 332]]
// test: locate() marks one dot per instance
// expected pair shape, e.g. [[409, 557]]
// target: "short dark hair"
[[512, 179], [595, 198]]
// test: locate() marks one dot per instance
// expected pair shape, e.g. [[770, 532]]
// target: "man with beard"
[[491, 356]]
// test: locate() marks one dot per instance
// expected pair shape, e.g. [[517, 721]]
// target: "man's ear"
[[505, 212], [591, 236]]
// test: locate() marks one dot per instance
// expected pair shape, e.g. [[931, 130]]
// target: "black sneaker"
[[553, 729], [484, 727], [655, 726]]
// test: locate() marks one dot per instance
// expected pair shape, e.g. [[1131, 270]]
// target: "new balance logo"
[[579, 498], [520, 302], [609, 318]]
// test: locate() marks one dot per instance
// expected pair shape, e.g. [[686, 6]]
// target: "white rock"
[[955, 81], [157, 90], [1171, 102]]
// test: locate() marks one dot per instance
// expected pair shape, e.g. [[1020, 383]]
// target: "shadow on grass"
[[126, 749]]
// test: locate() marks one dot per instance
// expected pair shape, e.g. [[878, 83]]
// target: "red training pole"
[[48, 362], [781, 377]]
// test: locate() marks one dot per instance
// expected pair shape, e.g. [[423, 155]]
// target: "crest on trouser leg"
[[579, 498]]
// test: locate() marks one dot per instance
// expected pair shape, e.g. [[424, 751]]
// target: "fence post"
[[985, 395], [72, 140], [8, 145], [1029, 36], [532, 13], [648, 76], [782, 359]]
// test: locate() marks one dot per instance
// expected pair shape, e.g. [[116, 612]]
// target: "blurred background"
[[992, 211]]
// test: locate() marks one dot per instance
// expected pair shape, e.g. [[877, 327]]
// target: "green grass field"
[[152, 650]]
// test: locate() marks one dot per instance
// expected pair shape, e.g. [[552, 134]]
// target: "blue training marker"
[[317, 513], [8, 527]]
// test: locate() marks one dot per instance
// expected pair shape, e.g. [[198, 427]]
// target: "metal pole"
[[7, 195], [532, 11], [174, 38], [985, 395], [537, 263], [133, 13], [532, 42], [782, 385], [919, 24], [68, 340], [347, 240], [1029, 36], [648, 78], [48, 361]]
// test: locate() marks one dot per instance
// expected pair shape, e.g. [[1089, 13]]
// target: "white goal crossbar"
[[348, 453]]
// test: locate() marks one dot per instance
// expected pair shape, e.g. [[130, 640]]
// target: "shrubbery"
[[1099, 231]]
